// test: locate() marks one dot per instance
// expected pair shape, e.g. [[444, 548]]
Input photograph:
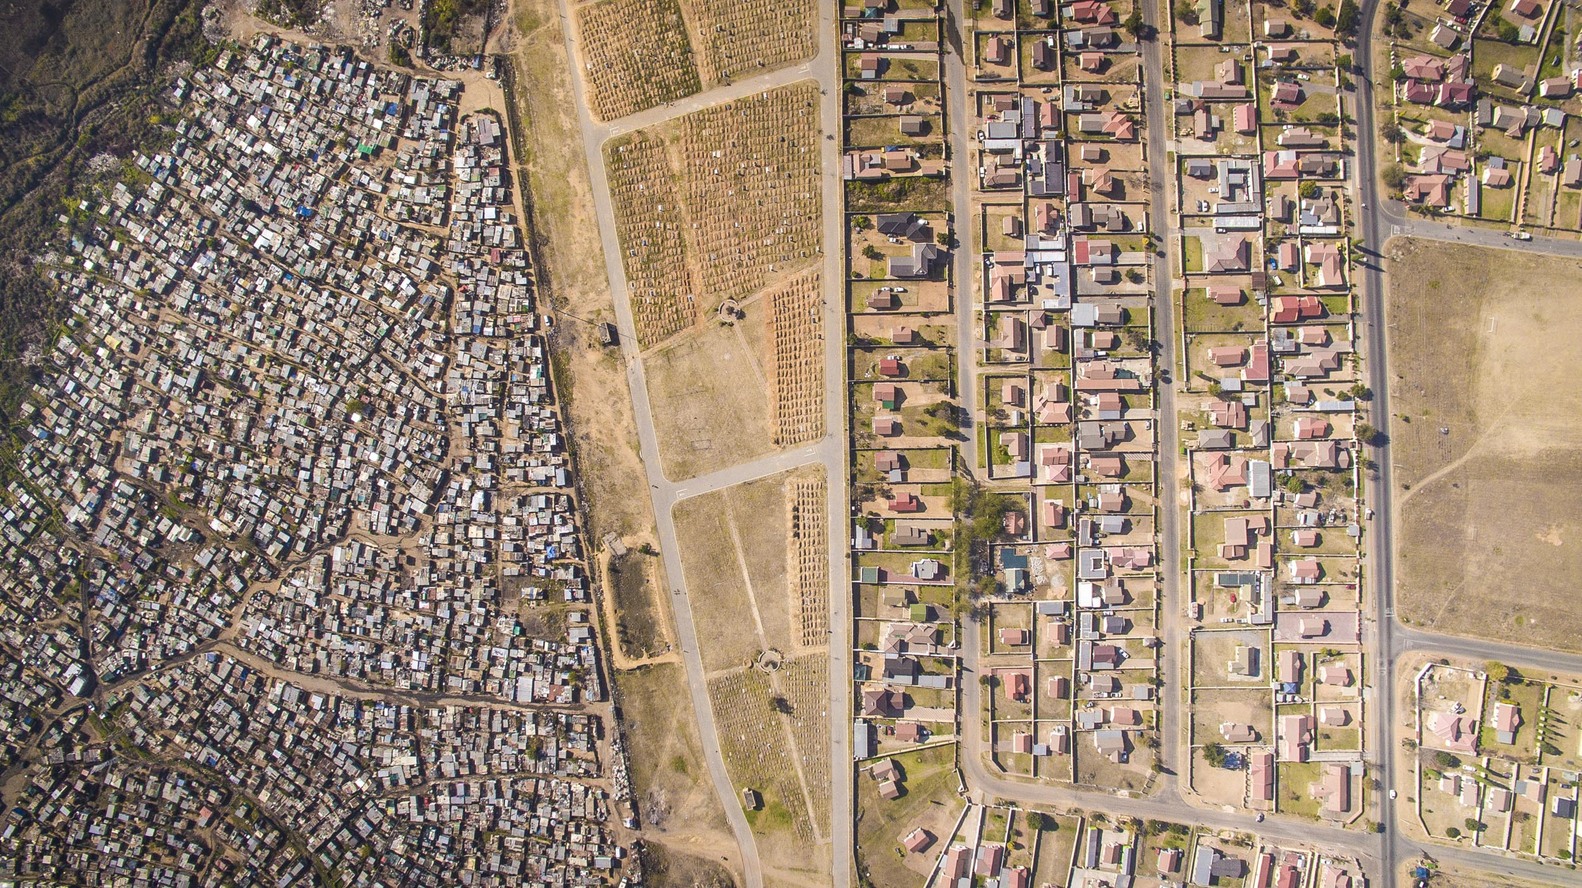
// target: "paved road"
[[1381, 219], [1166, 804], [842, 811], [1381, 564], [1173, 748], [958, 123]]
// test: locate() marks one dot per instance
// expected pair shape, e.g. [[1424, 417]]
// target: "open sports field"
[[1487, 438], [717, 206], [636, 54]]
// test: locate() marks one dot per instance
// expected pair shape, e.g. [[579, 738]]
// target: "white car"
[[1393, 794]]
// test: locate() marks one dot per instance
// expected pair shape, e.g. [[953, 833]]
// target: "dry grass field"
[[711, 409], [738, 546], [673, 791], [807, 568], [749, 37], [734, 545], [1488, 441], [794, 355], [637, 55], [717, 205]]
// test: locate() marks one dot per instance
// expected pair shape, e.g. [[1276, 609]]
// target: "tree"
[[1035, 821], [1497, 671], [1509, 32], [1346, 20], [1452, 832], [1446, 761], [1325, 17], [1308, 190], [1472, 825], [1343, 61], [1136, 27], [872, 252], [861, 223], [1186, 12], [1366, 433], [1394, 177], [943, 238], [1214, 754], [1303, 8], [780, 704], [399, 55]]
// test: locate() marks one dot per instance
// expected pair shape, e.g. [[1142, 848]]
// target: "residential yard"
[[930, 802], [1488, 441]]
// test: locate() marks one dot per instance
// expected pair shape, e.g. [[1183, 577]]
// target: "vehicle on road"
[[1520, 235]]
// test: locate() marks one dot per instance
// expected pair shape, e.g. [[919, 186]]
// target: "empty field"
[[748, 37], [668, 771], [794, 354], [637, 55], [1488, 441], [710, 406]]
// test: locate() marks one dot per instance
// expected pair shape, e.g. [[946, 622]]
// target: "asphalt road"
[[1380, 219], [1173, 749], [958, 123], [826, 66], [1381, 855]]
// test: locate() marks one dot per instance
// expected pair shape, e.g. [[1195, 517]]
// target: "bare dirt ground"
[[1488, 435], [675, 797], [736, 544], [711, 404]]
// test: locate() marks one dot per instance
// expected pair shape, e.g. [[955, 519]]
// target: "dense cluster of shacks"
[[301, 410]]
